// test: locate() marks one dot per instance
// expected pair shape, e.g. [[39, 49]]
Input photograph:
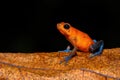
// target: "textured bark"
[[45, 66]]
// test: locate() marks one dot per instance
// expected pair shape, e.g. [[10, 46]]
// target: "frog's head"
[[64, 28]]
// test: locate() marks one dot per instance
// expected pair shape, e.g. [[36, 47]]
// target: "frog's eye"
[[66, 26]]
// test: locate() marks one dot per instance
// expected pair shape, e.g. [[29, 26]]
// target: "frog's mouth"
[[59, 27], [60, 30]]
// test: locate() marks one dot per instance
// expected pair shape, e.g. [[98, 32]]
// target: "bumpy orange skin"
[[77, 38]]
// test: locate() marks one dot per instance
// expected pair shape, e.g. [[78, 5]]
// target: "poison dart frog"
[[80, 41]]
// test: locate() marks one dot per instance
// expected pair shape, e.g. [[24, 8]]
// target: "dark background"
[[28, 26]]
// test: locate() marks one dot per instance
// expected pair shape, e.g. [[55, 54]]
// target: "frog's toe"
[[66, 59], [66, 50], [92, 55]]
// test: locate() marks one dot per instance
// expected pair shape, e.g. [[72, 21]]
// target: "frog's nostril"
[[58, 24]]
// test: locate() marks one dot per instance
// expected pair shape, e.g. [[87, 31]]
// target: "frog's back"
[[81, 40]]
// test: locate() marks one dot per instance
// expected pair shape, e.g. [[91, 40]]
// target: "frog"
[[80, 41]]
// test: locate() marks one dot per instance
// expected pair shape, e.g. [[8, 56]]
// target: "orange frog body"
[[77, 38], [80, 40]]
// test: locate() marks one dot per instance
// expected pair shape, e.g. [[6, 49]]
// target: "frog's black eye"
[[66, 26]]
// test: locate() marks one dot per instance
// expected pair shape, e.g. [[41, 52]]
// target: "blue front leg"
[[96, 48], [66, 50], [72, 53]]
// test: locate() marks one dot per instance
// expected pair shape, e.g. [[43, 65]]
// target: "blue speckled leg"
[[66, 50], [67, 58], [94, 41], [96, 48]]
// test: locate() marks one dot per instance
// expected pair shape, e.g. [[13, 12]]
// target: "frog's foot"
[[67, 58], [66, 50], [96, 48]]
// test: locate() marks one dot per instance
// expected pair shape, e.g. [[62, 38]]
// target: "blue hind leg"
[[96, 48]]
